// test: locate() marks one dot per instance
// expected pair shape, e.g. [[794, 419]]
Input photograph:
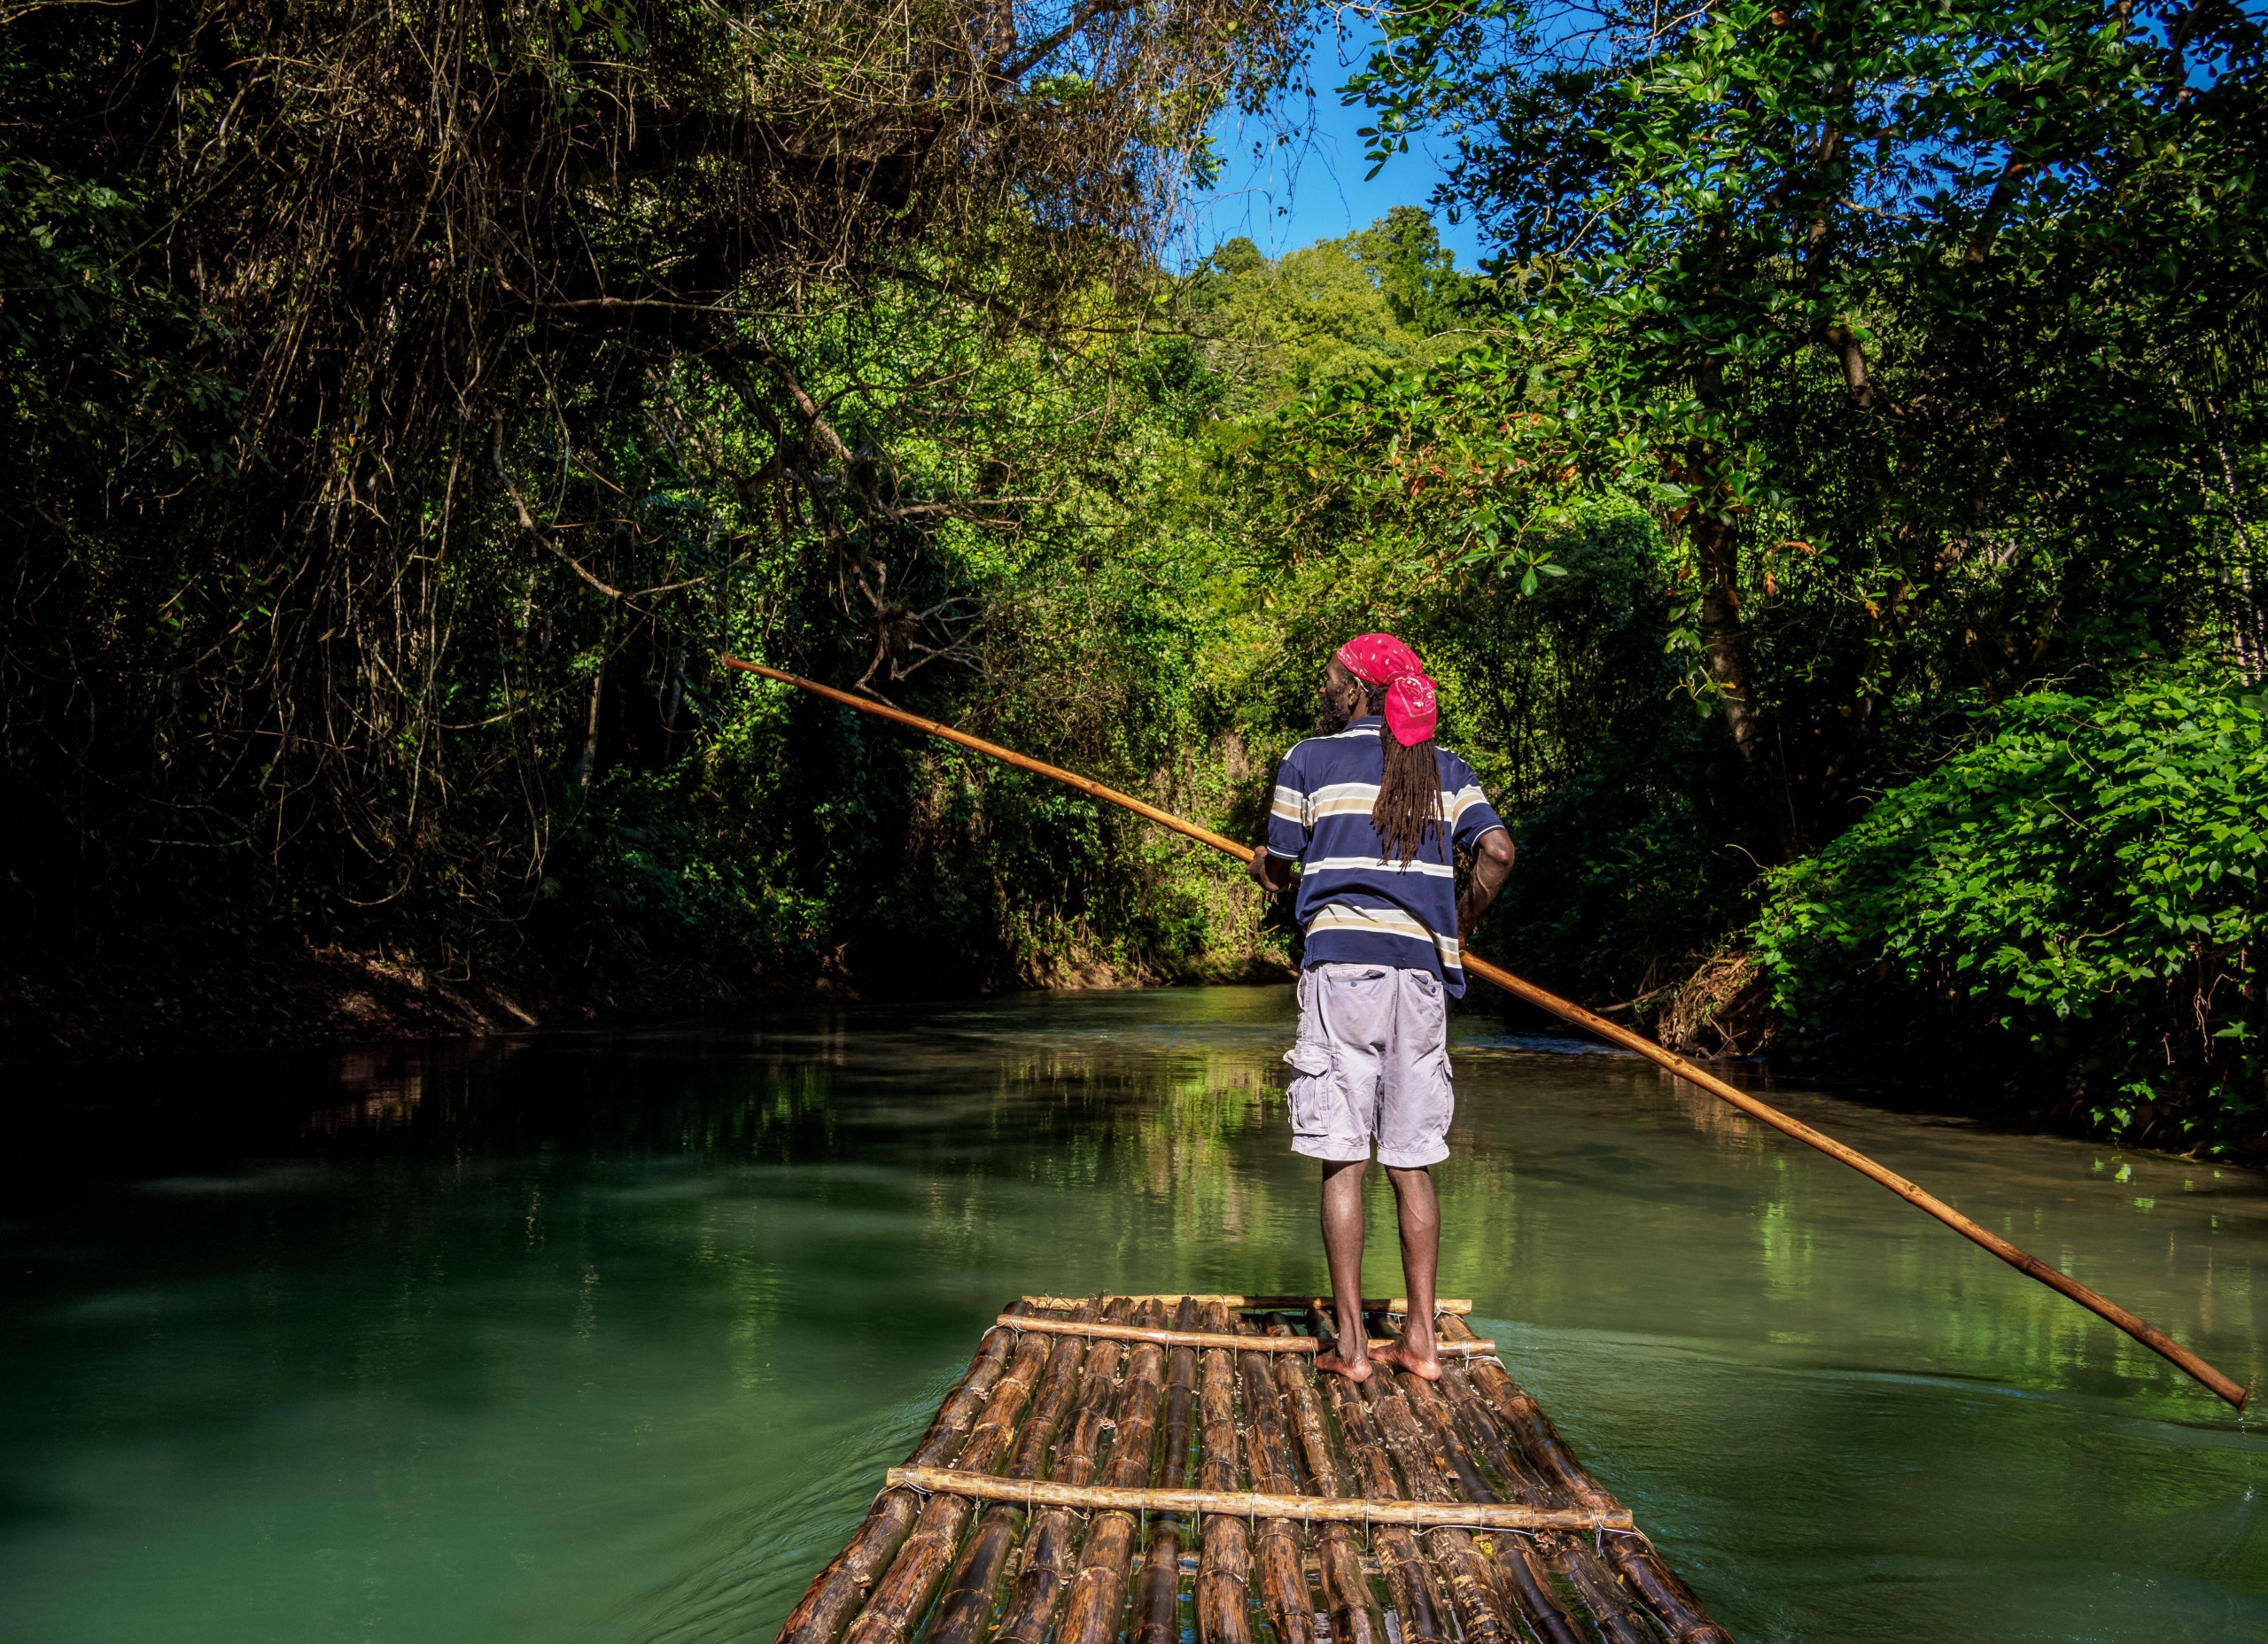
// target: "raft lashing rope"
[[1110, 1480], [2156, 1340]]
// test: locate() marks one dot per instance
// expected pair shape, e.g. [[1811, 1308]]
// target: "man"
[[1374, 813]]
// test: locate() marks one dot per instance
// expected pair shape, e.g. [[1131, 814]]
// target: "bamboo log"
[[1518, 1572], [1618, 1621], [1407, 1575], [1611, 1611], [905, 1590], [1263, 1303], [1480, 1611], [1157, 1588], [1223, 1600], [1521, 1568], [1521, 1574], [967, 1603], [1671, 1602], [1200, 1339], [1431, 1406], [1524, 1420], [1640, 1568], [2156, 1340], [1097, 1601], [1355, 1616], [1048, 1547], [1519, 1481], [1255, 1506], [1280, 1543], [837, 1592]]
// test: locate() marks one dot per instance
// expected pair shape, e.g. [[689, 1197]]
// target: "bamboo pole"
[[967, 1603], [1929, 1203], [1263, 1304], [1282, 1545], [1517, 1572], [1641, 1568], [1047, 1549], [1354, 1615], [837, 1590], [1571, 1555], [2156, 1340], [1402, 1562], [1454, 1559], [1392, 1398], [1157, 1587], [1099, 1592], [1223, 1593], [905, 1590], [1200, 1338]]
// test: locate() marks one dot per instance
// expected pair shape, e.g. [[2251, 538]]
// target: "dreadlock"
[[1409, 788]]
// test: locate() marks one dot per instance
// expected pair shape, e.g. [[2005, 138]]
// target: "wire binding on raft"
[[1460, 1501]]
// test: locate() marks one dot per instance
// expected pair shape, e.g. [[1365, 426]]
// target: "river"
[[608, 1336]]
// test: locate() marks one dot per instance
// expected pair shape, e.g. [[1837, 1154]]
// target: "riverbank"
[[155, 1001], [156, 995], [160, 1000]]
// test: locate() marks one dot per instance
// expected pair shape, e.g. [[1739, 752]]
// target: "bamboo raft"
[[1129, 1470]]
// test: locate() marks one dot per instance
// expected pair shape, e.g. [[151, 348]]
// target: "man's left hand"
[[1492, 865]]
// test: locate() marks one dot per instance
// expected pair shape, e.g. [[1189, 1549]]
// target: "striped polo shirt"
[[1354, 905]]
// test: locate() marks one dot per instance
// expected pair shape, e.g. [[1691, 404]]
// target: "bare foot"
[[1355, 1370], [1402, 1356]]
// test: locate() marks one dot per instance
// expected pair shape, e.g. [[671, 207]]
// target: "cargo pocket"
[[1318, 1104], [1443, 1083]]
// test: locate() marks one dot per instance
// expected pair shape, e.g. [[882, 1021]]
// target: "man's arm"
[[1492, 865], [1273, 858]]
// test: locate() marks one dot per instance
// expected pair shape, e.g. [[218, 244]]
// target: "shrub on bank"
[[2077, 899]]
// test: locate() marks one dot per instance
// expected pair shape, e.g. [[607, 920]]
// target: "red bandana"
[[1411, 711]]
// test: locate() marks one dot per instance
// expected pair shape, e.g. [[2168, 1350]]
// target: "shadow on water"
[[608, 1336]]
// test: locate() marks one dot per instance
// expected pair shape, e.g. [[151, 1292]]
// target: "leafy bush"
[[2079, 895]]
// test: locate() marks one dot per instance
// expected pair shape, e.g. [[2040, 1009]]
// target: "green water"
[[608, 1337]]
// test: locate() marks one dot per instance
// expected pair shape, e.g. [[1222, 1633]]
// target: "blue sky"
[[1309, 187]]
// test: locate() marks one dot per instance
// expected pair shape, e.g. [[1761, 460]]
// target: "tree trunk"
[[1724, 647], [586, 757], [1724, 652]]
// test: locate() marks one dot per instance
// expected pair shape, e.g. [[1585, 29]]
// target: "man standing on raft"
[[1373, 813]]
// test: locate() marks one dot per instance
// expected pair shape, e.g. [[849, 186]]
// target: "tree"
[[1909, 304], [1351, 310], [396, 398], [1416, 273]]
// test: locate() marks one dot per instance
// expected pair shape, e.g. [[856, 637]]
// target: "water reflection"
[[608, 1336]]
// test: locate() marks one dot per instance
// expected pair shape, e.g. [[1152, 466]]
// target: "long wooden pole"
[[1200, 1338], [2156, 1340], [1260, 1303], [1257, 1504]]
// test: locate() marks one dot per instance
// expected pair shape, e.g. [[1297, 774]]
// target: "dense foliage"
[[2082, 893], [402, 404], [1937, 326], [404, 409]]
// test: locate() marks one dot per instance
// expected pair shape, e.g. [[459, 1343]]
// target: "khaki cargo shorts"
[[1372, 1062]]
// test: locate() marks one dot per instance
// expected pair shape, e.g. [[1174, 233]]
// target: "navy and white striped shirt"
[[1354, 905]]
